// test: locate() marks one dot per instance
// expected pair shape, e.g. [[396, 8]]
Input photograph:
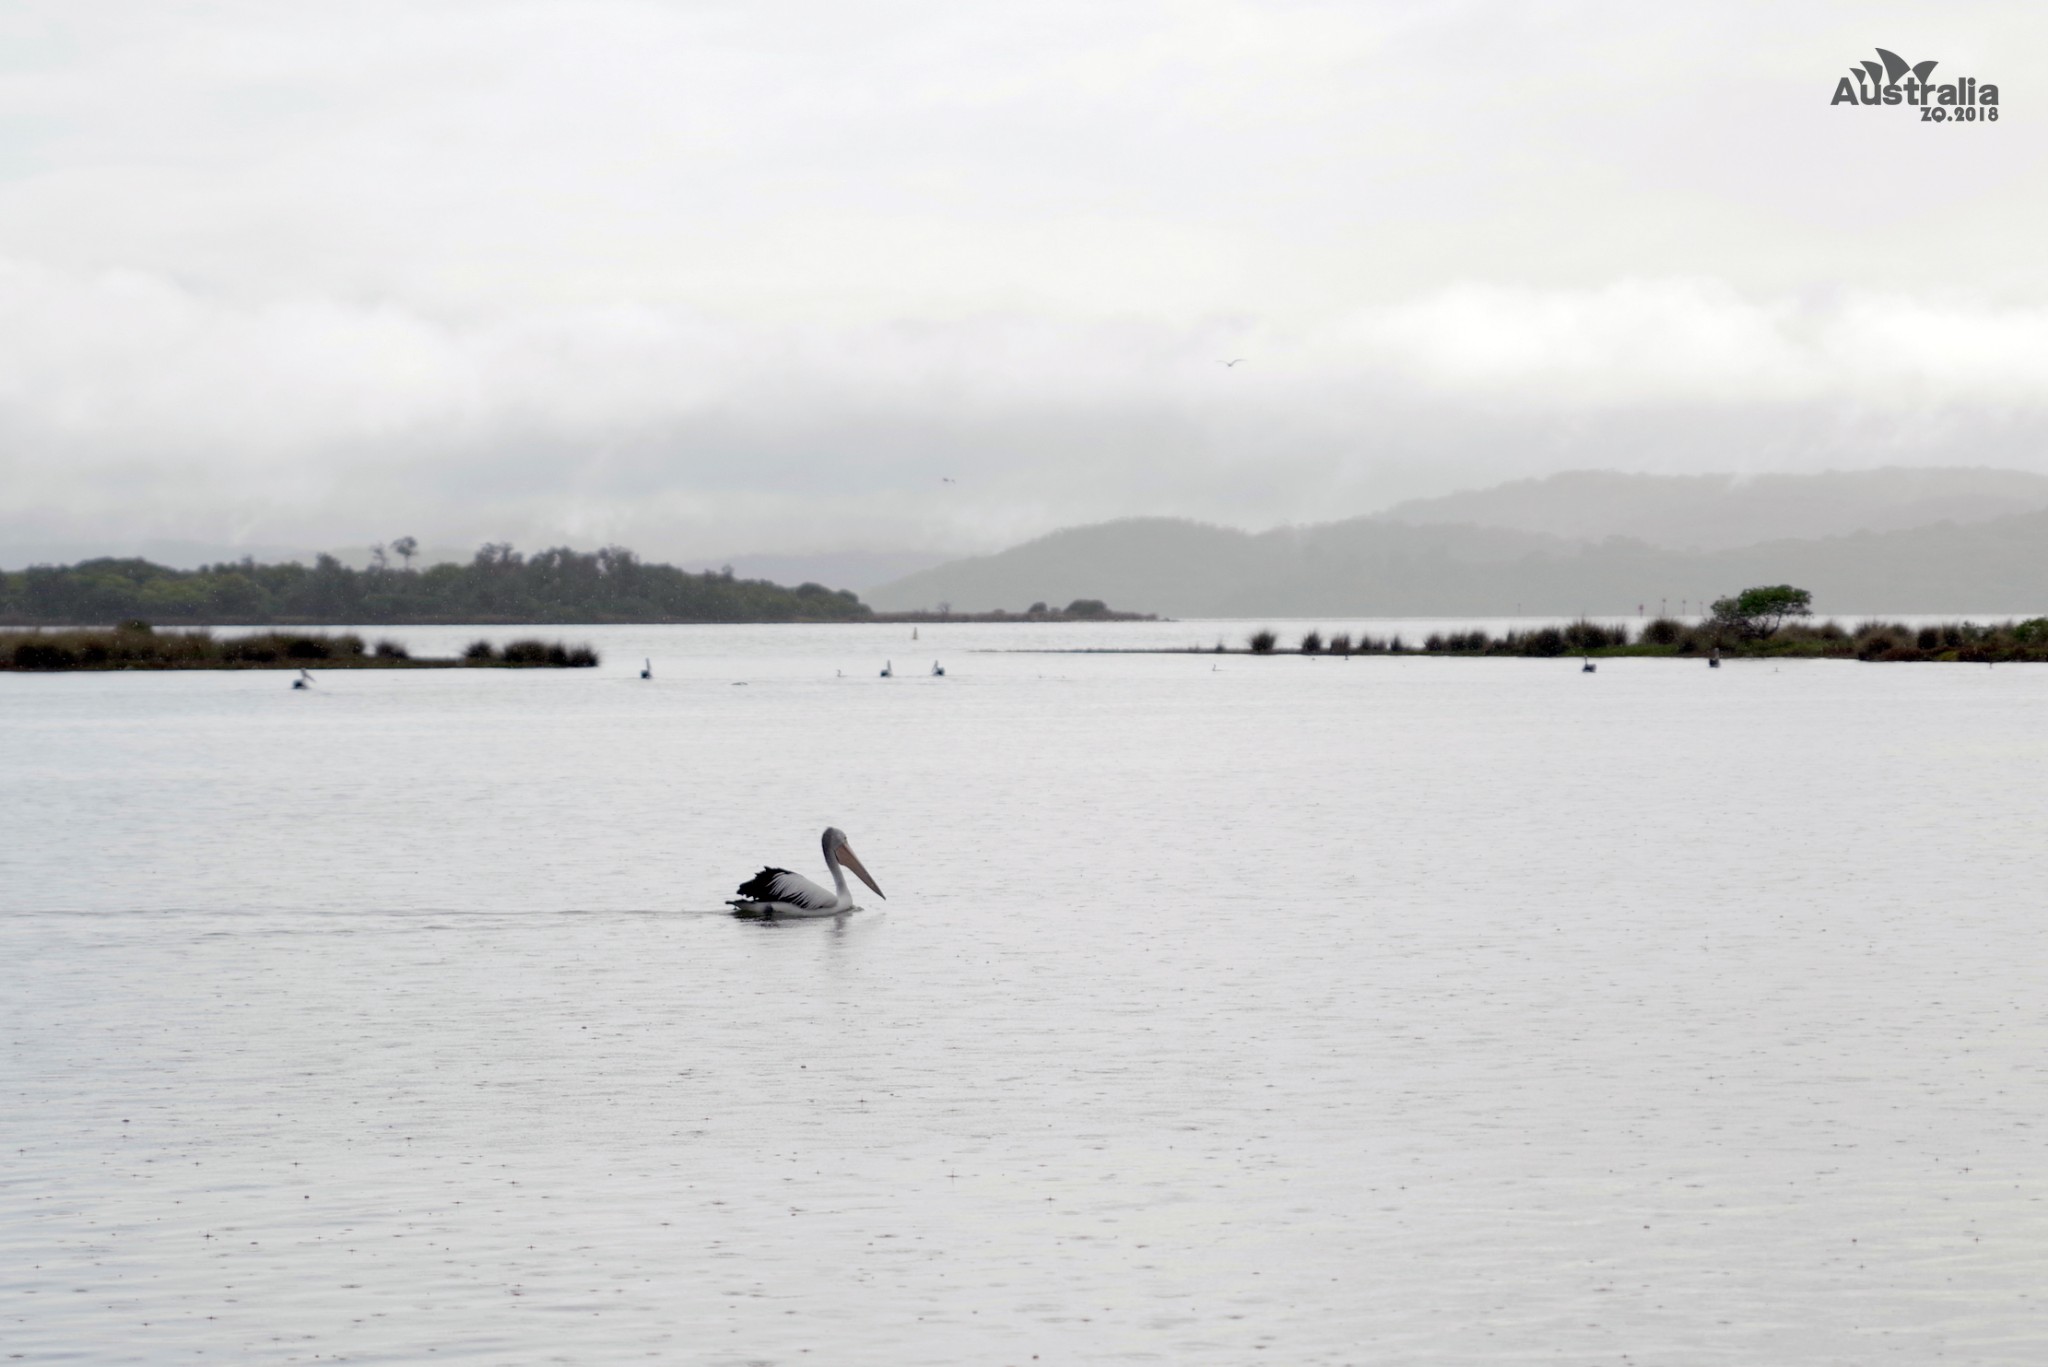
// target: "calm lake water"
[[1312, 1012]]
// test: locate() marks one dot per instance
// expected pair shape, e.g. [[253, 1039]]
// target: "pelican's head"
[[837, 851]]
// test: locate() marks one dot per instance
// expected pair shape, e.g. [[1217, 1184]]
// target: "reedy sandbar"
[[136, 645], [1879, 641]]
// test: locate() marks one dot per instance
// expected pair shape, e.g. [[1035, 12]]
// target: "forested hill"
[[499, 585]]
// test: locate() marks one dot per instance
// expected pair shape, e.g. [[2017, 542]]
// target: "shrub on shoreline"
[[1873, 640], [136, 645], [528, 651]]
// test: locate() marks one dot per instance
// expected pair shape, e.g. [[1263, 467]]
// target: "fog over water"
[[1423, 1010]]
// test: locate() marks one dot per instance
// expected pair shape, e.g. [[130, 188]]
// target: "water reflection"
[[1430, 1011]]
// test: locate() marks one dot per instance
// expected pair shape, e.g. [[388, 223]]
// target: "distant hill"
[[856, 570], [192, 555], [498, 585], [1722, 512], [1192, 569], [1371, 567]]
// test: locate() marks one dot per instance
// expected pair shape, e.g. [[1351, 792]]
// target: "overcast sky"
[[708, 278]]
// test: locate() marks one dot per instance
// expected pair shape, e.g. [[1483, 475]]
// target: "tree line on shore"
[[1971, 642], [498, 585], [1765, 620], [138, 645]]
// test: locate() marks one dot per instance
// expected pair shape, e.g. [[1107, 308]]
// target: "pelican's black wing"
[[780, 885]]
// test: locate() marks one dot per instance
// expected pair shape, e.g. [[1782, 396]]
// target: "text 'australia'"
[[1894, 80]]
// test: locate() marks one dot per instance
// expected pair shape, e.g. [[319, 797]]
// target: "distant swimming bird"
[[937, 672], [304, 680], [947, 479], [889, 669], [778, 892], [647, 670], [1587, 668]]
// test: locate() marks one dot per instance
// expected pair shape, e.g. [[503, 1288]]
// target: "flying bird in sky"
[[1227, 364]]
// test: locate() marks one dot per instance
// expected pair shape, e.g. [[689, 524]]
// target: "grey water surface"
[[1426, 1011]]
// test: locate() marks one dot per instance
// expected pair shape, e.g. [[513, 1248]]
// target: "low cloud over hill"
[[1878, 541]]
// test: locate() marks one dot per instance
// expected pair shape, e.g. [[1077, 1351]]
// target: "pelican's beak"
[[852, 861]]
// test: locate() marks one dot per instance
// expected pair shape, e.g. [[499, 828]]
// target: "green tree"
[[1757, 613], [500, 585]]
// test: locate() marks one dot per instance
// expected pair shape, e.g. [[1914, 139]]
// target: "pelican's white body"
[[778, 892], [799, 896]]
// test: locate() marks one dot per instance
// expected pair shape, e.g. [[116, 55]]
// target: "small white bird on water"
[[778, 892]]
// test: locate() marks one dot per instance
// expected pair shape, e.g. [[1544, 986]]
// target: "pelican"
[[778, 892], [938, 672]]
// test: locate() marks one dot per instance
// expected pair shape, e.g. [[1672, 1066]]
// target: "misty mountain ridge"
[[1726, 511], [1975, 540]]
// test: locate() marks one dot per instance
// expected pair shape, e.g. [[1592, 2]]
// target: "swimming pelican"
[[888, 669], [778, 892], [937, 671]]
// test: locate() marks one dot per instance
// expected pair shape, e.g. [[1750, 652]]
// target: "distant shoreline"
[[1606, 653], [1013, 618], [136, 646], [1871, 641]]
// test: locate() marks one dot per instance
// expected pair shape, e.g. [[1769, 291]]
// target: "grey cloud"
[[155, 407], [692, 276]]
